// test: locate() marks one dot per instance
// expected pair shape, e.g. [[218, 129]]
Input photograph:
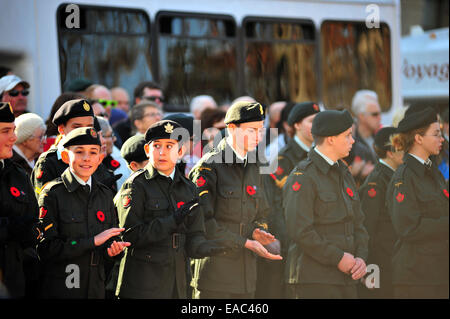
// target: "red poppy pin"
[[14, 191], [115, 163], [445, 193], [39, 174], [251, 190], [179, 204], [372, 192], [316, 107], [201, 181], [296, 186], [42, 212], [400, 197], [101, 216], [349, 192], [279, 171], [126, 200]]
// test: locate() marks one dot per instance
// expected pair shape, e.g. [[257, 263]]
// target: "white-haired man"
[[200, 103]]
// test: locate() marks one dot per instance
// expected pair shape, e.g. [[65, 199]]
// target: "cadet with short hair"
[[417, 200], [328, 242], [133, 152], [235, 208]]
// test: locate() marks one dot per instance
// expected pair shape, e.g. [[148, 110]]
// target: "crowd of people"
[[106, 186]]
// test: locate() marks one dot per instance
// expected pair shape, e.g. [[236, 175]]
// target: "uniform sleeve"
[[54, 246], [206, 180], [409, 222], [299, 198], [43, 172], [139, 230], [361, 235]]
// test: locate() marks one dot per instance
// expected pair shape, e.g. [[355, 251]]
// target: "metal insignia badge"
[[261, 109], [86, 106], [169, 128]]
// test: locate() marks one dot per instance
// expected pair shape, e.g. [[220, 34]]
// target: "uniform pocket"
[[159, 207], [328, 208]]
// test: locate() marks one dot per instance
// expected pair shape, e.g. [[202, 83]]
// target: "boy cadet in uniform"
[[328, 242], [376, 217], [78, 221], [270, 273], [18, 209], [417, 200], [133, 152], [158, 206], [231, 194]]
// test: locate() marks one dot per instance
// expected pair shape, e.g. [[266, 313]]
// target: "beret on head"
[[382, 138], [26, 125], [331, 123], [6, 112], [417, 120], [82, 136], [164, 129], [133, 149], [302, 110], [71, 109], [184, 120], [241, 112]]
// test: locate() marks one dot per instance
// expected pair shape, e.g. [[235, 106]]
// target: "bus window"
[[280, 60], [111, 47], [196, 56], [354, 57]]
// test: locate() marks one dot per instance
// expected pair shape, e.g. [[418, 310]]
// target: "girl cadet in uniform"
[[78, 220], [418, 204]]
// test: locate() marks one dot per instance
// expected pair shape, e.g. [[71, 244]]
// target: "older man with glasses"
[[15, 91]]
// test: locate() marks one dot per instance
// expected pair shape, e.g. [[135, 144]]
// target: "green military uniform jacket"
[[234, 205], [18, 213], [324, 220], [418, 204], [70, 219], [155, 264]]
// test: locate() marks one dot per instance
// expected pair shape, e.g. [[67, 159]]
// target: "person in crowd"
[[328, 241], [133, 152], [15, 91], [143, 115], [18, 210], [200, 103], [158, 207], [285, 133], [376, 216], [273, 119], [212, 122], [418, 203], [78, 222], [4, 70], [231, 194], [30, 132], [123, 99]]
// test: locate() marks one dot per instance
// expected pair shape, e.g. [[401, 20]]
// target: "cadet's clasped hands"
[[261, 239], [116, 246]]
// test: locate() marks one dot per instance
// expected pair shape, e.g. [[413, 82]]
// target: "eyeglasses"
[[112, 103], [112, 136], [15, 93], [154, 98], [42, 138], [439, 135], [153, 114]]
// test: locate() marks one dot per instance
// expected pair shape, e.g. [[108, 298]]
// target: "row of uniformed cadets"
[[231, 213]]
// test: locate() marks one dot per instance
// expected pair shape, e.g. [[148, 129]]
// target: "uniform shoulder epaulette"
[[48, 186], [303, 165], [134, 175]]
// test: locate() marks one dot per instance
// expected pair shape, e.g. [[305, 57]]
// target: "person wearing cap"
[[376, 216], [78, 222], [158, 207], [417, 201], [18, 210], [231, 193], [15, 91], [328, 241], [133, 152]]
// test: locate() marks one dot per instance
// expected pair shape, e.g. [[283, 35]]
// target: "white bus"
[[296, 50]]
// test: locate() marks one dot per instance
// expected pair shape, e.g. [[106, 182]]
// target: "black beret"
[[382, 138], [184, 120], [79, 85], [331, 123], [97, 126], [6, 112], [417, 120], [241, 112], [163, 130], [71, 109], [302, 110], [82, 136], [133, 149]]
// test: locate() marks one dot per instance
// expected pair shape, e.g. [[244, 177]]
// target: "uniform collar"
[[151, 173], [21, 154], [386, 164], [72, 181], [415, 163], [301, 144], [322, 161], [59, 149], [243, 159]]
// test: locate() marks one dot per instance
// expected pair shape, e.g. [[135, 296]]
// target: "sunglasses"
[[107, 103], [154, 98], [15, 93]]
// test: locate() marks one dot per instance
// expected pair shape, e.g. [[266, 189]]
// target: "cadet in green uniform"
[[235, 208], [79, 223], [18, 209], [133, 152], [376, 217], [328, 242], [158, 206], [271, 273], [417, 200]]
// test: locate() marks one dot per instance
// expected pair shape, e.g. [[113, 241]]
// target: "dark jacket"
[[418, 204], [70, 218], [324, 220], [234, 205], [19, 160], [18, 214]]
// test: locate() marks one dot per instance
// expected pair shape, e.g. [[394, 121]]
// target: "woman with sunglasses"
[[417, 200]]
